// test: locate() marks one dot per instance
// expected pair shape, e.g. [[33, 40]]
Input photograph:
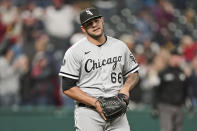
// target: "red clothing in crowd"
[[190, 51], [3, 29]]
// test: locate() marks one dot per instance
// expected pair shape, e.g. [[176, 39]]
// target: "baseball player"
[[96, 66]]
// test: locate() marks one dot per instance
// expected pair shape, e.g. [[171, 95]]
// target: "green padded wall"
[[61, 119]]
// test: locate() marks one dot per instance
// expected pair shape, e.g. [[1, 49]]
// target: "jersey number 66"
[[116, 77]]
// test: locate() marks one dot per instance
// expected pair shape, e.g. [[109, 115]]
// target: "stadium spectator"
[[3, 29], [149, 75], [189, 47], [31, 26], [25, 83], [171, 94], [193, 82], [163, 14], [10, 72], [59, 20], [44, 69], [10, 17], [143, 29], [189, 22], [128, 39]]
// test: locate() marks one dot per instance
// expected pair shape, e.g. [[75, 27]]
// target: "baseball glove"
[[114, 107]]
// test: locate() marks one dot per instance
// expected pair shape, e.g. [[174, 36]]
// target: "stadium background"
[[38, 32]]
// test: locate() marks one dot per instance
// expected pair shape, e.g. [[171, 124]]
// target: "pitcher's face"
[[94, 28]]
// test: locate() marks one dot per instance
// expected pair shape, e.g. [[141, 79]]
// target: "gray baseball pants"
[[87, 119]]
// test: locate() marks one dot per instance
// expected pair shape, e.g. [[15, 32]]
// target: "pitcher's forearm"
[[130, 83], [77, 94]]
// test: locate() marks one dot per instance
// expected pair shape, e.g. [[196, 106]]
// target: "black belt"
[[84, 105]]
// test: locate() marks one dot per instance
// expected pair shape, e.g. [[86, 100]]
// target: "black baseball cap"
[[89, 14]]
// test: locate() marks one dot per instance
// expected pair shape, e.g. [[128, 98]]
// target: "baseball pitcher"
[[92, 74]]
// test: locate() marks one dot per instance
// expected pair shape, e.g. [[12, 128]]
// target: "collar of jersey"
[[104, 42], [98, 45]]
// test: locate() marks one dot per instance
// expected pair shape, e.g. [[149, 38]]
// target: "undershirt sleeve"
[[68, 83]]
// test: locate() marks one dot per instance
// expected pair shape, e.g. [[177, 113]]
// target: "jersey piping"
[[133, 70], [69, 75]]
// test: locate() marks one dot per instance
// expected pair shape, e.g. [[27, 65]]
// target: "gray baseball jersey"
[[99, 70]]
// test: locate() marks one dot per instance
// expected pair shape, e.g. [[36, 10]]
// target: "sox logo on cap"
[[89, 12]]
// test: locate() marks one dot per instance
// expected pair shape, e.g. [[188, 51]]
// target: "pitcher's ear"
[[102, 20], [83, 29]]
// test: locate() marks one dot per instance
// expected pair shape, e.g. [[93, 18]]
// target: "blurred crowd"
[[34, 35]]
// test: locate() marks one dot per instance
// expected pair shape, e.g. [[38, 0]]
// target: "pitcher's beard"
[[96, 36]]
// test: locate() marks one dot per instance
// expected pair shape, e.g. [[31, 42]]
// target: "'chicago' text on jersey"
[[95, 64]]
